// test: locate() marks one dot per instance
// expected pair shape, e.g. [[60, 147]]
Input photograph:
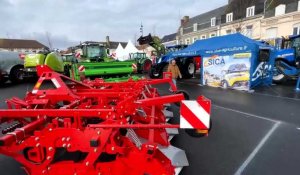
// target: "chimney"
[[107, 41], [185, 20]]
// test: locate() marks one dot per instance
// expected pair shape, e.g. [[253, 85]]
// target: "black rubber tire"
[[185, 94], [16, 74], [145, 64], [3, 81], [152, 75], [194, 133], [188, 73]]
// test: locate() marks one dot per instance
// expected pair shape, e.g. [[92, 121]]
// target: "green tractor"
[[142, 61], [91, 61]]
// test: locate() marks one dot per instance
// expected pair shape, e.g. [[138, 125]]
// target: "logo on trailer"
[[194, 115], [81, 68]]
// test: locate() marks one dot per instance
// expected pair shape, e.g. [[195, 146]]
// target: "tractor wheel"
[[16, 74], [185, 94], [152, 74], [189, 69], [147, 66]]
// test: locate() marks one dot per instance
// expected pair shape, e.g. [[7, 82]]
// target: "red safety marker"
[[195, 114], [134, 67], [77, 55], [81, 68]]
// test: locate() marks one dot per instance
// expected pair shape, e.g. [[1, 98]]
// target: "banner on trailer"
[[227, 71]]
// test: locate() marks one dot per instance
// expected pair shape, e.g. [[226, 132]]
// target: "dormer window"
[[280, 10], [213, 22], [229, 17], [195, 27], [250, 11]]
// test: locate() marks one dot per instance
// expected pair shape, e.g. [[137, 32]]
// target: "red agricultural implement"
[[65, 127]]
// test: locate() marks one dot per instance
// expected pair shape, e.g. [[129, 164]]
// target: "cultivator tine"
[[97, 127]]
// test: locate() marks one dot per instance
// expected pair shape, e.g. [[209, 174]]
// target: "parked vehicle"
[[11, 67], [187, 65], [92, 61], [51, 59], [287, 62], [143, 62]]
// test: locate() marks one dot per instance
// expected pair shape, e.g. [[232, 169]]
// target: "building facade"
[[20, 45], [169, 40], [281, 20], [257, 19]]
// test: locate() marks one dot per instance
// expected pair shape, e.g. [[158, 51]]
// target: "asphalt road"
[[254, 133]]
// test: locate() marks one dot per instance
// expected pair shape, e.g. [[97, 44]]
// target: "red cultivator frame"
[[72, 128]]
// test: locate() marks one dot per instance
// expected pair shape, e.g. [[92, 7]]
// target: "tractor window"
[[296, 43], [95, 51]]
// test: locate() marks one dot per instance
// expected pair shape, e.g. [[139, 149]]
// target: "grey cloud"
[[71, 21]]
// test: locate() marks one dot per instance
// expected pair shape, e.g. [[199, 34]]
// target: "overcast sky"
[[70, 21]]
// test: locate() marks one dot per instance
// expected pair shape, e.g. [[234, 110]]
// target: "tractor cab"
[[290, 49], [94, 52]]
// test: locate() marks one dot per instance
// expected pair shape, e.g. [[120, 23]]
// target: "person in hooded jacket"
[[174, 69]]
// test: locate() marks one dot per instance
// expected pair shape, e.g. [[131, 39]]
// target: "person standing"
[[174, 69]]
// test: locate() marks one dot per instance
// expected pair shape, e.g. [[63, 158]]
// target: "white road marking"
[[268, 95], [247, 114], [257, 148]]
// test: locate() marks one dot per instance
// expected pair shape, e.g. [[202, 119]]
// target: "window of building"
[[213, 22], [229, 17], [203, 36], [212, 35], [298, 5], [195, 27], [195, 39], [280, 10], [271, 33], [250, 11], [228, 31], [249, 31], [187, 41], [296, 29]]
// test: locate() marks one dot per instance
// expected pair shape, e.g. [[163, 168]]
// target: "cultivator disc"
[[95, 127]]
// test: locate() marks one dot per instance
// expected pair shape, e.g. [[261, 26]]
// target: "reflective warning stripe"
[[81, 68], [77, 55], [134, 66], [193, 115]]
